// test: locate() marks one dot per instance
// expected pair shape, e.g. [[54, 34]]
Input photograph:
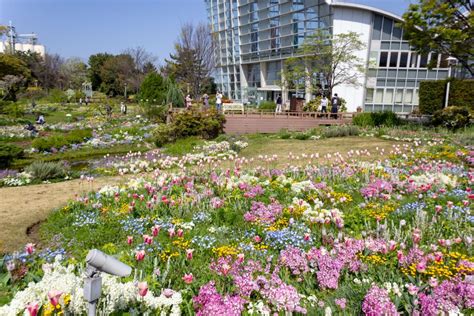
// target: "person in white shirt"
[[218, 101], [324, 104]]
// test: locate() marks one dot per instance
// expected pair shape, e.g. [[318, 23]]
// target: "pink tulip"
[[188, 278], [392, 245], [180, 232], [400, 255], [54, 296], [450, 204], [438, 208], [189, 254], [257, 239], [171, 232], [140, 255], [412, 289], [168, 293], [32, 309], [240, 257], [129, 240], [30, 248], [142, 288], [147, 239], [433, 282], [421, 267], [155, 230], [225, 269]]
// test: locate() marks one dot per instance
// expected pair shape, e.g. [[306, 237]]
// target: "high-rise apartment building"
[[254, 37]]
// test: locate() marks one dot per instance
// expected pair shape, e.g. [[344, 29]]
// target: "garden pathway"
[[31, 204]]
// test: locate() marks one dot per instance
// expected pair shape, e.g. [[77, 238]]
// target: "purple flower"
[[378, 303]]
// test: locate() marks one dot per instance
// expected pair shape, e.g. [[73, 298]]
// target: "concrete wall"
[[40, 49], [359, 21]]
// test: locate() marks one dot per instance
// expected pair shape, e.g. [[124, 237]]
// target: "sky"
[[79, 28]]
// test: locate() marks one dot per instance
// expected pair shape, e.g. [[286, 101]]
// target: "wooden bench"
[[231, 107]]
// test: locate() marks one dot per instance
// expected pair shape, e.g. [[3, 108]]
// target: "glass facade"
[[395, 72], [254, 37]]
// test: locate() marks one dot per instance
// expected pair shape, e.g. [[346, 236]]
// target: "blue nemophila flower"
[[280, 239], [49, 255], [205, 242], [411, 207], [85, 219], [201, 217], [134, 225]]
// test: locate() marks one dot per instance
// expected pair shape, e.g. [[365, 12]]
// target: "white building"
[[20, 42], [254, 37]]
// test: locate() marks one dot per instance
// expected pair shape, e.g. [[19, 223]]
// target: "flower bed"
[[381, 238]]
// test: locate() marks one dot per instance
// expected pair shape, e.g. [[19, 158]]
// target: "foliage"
[[10, 85], [14, 66], [376, 119], [46, 170], [192, 62], [153, 89], [206, 124], [95, 65], [332, 56], [267, 105], [452, 117], [8, 153], [433, 94], [445, 27], [341, 131], [13, 109], [115, 73], [57, 96], [183, 146], [59, 141]]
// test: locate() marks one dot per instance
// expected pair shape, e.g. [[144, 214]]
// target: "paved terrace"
[[269, 122]]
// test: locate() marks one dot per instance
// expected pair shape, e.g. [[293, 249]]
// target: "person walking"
[[123, 108], [279, 103], [218, 101], [205, 99], [335, 105], [324, 104], [188, 102], [108, 110]]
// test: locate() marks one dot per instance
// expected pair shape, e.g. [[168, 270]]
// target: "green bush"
[[376, 119], [153, 89], [206, 124], [8, 153], [433, 94], [302, 136], [453, 117], [46, 170], [341, 131], [58, 141], [13, 109], [267, 105], [57, 96]]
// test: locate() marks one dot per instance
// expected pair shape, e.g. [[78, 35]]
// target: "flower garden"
[[344, 237]]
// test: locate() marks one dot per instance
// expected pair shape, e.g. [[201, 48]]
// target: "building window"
[[414, 60], [403, 60], [423, 61], [387, 29], [408, 96], [383, 59], [369, 95], [393, 59], [399, 96], [378, 19], [388, 96], [379, 96]]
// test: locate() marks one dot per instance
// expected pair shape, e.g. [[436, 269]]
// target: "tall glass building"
[[254, 37]]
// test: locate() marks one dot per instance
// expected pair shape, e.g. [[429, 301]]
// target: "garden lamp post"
[[451, 63], [125, 94]]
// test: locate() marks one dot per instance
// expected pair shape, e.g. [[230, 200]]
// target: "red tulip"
[[142, 288], [140, 255], [30, 248], [188, 278], [32, 309], [129, 240]]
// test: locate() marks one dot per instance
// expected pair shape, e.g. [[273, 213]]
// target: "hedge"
[[432, 94]]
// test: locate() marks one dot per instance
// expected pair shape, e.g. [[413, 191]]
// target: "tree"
[[115, 73], [96, 62], [192, 62], [442, 26], [10, 85], [144, 63], [153, 89], [332, 59], [74, 72], [49, 72], [12, 65]]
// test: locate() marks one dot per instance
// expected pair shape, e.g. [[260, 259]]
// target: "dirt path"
[[23, 207]]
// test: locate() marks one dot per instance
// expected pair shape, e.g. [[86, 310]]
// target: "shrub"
[[376, 119], [8, 153], [57, 96], [341, 131], [206, 124], [433, 94], [267, 105], [13, 109], [313, 105], [46, 170], [302, 136], [453, 117], [153, 89], [59, 141]]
